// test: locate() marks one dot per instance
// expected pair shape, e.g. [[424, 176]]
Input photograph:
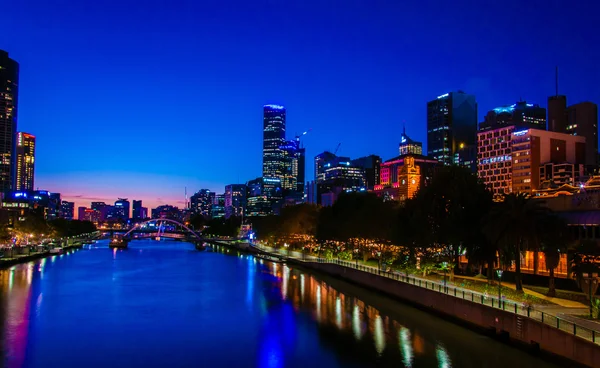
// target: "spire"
[[403, 128]]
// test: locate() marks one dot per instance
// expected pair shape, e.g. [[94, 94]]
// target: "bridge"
[[158, 229]]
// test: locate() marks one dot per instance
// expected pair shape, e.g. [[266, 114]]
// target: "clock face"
[[403, 181], [413, 181]]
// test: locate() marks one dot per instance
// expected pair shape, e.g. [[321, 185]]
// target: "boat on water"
[[270, 258], [56, 251], [200, 246]]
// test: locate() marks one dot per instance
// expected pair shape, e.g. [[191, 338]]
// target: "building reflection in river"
[[349, 315]]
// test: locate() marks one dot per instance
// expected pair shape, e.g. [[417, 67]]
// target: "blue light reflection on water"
[[167, 305]]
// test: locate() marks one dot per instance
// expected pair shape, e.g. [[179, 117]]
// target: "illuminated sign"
[[403, 140], [521, 132], [20, 194], [37, 197], [443, 96], [275, 107], [118, 204]]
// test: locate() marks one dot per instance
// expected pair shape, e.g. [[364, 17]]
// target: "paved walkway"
[[558, 301]]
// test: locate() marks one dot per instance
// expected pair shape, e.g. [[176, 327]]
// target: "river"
[[164, 304]]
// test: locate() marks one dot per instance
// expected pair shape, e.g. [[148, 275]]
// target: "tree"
[[555, 240], [585, 266], [518, 218]]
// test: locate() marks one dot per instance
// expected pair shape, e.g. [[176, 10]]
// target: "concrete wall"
[[519, 328]]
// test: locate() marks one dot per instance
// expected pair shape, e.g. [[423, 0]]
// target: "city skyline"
[[330, 84]]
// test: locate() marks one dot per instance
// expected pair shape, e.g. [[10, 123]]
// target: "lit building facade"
[[320, 161], [201, 202], [218, 206], [520, 114], [19, 202], [121, 209], [494, 159], [235, 200], [409, 146], [582, 121], [512, 160], [9, 96], [24, 161], [67, 210], [103, 208], [401, 177], [137, 213], [274, 155], [452, 129], [166, 212]]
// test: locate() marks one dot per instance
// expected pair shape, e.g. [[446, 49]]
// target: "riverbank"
[[9, 262], [514, 323]]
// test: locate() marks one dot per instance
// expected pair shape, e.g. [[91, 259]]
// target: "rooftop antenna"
[[404, 127], [186, 201]]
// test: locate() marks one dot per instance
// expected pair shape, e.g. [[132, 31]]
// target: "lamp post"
[[445, 268], [378, 262], [356, 256], [286, 245], [592, 280], [499, 272]]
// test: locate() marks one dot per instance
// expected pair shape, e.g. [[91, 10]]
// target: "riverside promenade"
[[555, 334]]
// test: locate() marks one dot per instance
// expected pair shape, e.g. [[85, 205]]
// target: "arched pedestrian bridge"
[[157, 229]]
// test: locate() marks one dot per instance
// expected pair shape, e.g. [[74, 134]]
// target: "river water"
[[164, 304]]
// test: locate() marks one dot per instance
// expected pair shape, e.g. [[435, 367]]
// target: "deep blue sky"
[[140, 99]]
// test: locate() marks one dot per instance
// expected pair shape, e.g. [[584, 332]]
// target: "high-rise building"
[[520, 114], [370, 165], [144, 213], [218, 206], [263, 195], [320, 160], [136, 214], [274, 156], [102, 208], [452, 129], [81, 213], [557, 113], [24, 160], [408, 145], [582, 120], [121, 209], [9, 96], [235, 200], [201, 202], [519, 160], [67, 210], [166, 211]]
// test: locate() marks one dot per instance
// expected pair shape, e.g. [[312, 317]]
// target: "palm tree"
[[555, 240], [519, 217]]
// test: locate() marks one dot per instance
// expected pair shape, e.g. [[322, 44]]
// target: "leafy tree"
[[66, 228], [555, 240]]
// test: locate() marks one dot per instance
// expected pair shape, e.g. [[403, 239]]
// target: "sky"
[[141, 100]]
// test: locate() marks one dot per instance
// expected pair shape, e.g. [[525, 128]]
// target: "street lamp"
[[378, 261], [286, 245], [499, 272], [445, 268], [356, 256], [592, 281]]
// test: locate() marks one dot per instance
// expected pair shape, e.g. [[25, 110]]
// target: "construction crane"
[[298, 136], [337, 148]]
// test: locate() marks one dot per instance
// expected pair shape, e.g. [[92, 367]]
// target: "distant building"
[[137, 214], [520, 114], [201, 203], [320, 161], [235, 200], [67, 210], [402, 176], [274, 156], [23, 201], [166, 212], [258, 206], [452, 129], [9, 97], [371, 166], [88, 214], [144, 213], [582, 121], [294, 166], [218, 206], [81, 213], [102, 208], [121, 209], [24, 161], [408, 146], [514, 161], [54, 204], [264, 196], [557, 113]]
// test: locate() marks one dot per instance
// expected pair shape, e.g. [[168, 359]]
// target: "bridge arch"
[[136, 226]]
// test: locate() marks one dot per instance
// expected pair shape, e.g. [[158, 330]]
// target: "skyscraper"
[[25, 157], [137, 210], [235, 200], [274, 165], [408, 146], [218, 206], [452, 129], [9, 93], [320, 161], [371, 165], [557, 113], [201, 202]]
